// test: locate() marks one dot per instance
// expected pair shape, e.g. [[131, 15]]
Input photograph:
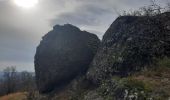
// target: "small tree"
[[13, 81], [168, 6], [150, 10]]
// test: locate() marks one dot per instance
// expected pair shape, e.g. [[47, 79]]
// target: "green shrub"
[[164, 62], [131, 84], [116, 88]]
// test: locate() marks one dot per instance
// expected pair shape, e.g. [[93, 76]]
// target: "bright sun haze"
[[26, 3]]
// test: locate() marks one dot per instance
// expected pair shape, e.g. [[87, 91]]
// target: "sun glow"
[[26, 3]]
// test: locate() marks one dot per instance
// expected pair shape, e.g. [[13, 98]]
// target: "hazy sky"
[[21, 28]]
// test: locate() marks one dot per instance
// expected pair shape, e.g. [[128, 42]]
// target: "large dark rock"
[[63, 53], [130, 44]]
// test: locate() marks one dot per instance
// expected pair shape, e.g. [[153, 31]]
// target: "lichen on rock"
[[130, 44]]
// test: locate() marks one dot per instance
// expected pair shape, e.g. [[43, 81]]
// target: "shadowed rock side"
[[130, 44], [63, 53]]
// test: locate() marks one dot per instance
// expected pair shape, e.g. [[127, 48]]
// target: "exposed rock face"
[[130, 44], [63, 53]]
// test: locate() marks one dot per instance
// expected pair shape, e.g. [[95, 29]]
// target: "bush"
[[134, 84], [164, 62], [150, 10], [125, 88]]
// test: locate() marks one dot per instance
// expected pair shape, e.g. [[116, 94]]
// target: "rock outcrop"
[[130, 44], [63, 53]]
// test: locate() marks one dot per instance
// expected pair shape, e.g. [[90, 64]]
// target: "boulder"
[[130, 44], [63, 53]]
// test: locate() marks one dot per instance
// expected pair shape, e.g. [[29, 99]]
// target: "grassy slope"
[[153, 82], [158, 80], [15, 96]]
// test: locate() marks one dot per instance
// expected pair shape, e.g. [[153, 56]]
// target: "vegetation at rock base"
[[149, 84], [164, 62]]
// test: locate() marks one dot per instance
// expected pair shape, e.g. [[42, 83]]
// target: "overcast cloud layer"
[[21, 29]]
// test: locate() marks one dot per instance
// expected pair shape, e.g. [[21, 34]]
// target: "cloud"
[[86, 15], [21, 30], [20, 33], [89, 15], [96, 15]]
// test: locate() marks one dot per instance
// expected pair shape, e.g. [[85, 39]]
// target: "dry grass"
[[158, 79], [15, 96]]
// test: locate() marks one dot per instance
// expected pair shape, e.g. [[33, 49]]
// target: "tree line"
[[13, 81]]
